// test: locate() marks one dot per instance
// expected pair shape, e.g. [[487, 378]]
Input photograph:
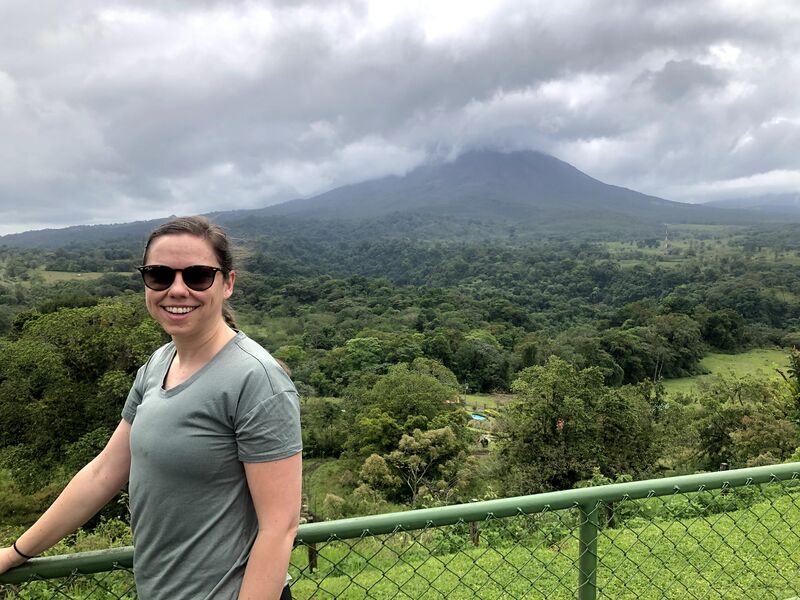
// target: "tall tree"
[[567, 421]]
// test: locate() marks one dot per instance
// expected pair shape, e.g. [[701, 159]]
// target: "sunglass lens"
[[158, 278], [199, 278]]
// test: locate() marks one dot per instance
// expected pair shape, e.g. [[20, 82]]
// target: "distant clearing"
[[482, 401], [322, 476], [759, 362], [56, 276], [695, 229], [635, 262]]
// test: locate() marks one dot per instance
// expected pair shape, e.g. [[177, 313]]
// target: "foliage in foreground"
[[63, 380]]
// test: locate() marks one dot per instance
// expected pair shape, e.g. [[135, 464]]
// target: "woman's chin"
[[178, 328]]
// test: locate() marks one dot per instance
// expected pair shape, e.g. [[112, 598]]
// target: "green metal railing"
[[730, 534]]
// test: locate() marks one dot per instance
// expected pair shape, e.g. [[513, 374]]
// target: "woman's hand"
[[9, 559]]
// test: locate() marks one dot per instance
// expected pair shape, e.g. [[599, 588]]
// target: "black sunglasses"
[[196, 277]]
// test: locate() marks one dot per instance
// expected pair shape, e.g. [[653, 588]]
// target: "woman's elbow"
[[108, 473]]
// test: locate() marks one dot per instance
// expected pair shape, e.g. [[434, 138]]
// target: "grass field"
[[760, 362], [750, 553], [483, 401], [323, 476], [666, 263], [56, 276]]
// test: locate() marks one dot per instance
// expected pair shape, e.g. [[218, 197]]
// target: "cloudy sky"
[[115, 111]]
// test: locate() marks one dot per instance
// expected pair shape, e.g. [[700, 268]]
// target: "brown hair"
[[214, 235]]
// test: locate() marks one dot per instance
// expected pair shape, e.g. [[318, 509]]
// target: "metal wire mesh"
[[741, 542], [729, 543], [518, 557], [116, 583]]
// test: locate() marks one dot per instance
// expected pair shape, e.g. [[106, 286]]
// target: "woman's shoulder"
[[163, 353], [258, 362]]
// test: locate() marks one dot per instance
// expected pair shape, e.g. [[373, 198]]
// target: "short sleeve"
[[135, 395], [270, 429]]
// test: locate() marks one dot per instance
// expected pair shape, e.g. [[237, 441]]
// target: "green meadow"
[[762, 362], [749, 553], [478, 402], [56, 276]]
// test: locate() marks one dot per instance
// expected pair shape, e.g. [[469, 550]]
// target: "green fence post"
[[587, 552]]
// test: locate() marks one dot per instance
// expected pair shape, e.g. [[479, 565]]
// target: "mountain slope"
[[521, 186], [479, 195]]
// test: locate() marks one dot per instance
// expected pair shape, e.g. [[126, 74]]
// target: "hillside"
[[482, 194], [519, 186]]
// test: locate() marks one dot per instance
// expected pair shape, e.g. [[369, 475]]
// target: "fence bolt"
[[587, 552], [312, 557], [725, 490], [475, 533]]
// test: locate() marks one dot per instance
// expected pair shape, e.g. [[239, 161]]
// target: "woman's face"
[[180, 310]]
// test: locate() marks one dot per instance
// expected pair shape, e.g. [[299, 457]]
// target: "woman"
[[209, 437]]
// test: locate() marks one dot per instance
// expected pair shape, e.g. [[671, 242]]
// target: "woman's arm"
[[276, 490], [88, 492]]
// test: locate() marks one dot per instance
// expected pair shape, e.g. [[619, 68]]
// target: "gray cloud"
[[128, 110], [681, 78]]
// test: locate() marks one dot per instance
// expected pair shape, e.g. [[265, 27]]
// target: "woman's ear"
[[227, 284]]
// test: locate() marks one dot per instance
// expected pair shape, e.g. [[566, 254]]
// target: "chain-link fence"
[[732, 534], [104, 574]]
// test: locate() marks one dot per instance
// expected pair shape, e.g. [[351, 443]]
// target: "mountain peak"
[[481, 193], [480, 183]]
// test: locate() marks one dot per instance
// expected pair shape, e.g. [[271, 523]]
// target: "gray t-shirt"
[[191, 511]]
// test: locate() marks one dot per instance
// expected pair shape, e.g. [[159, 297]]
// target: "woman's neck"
[[202, 348]]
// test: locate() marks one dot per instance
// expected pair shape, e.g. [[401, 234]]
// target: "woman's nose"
[[178, 288]]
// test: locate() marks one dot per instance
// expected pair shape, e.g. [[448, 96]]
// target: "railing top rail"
[[104, 560], [49, 567]]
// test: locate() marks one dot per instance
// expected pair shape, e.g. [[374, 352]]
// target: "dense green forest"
[[385, 336]]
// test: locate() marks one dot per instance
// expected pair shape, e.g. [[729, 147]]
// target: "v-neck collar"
[[194, 376]]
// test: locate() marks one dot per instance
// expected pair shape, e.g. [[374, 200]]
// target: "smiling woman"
[[214, 247], [180, 307], [211, 415]]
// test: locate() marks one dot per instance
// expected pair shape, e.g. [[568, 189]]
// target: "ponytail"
[[229, 315]]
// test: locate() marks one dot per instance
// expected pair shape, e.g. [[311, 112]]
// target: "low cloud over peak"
[[128, 111]]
